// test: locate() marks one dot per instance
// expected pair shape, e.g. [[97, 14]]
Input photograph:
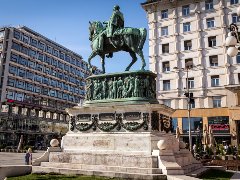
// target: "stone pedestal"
[[120, 138]]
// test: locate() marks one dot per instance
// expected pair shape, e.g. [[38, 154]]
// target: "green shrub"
[[209, 150], [221, 149]]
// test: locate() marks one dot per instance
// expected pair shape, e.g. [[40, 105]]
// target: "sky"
[[67, 21]]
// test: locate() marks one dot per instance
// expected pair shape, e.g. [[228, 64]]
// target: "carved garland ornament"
[[107, 126]]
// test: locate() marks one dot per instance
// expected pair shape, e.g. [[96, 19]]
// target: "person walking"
[[28, 157]]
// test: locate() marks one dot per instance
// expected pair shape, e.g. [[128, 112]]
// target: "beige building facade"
[[191, 35]]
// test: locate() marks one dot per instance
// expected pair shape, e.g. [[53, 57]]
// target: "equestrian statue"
[[111, 36]]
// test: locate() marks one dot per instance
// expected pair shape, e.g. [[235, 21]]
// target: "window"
[[32, 53], [187, 45], [60, 65], [11, 82], [216, 101], [31, 64], [65, 96], [25, 38], [62, 56], [39, 67], [164, 14], [189, 63], [54, 83], [165, 48], [55, 52], [235, 18], [73, 61], [41, 45], [215, 81], [16, 46], [48, 59], [20, 84], [17, 35], [210, 22], [54, 62], [65, 86], [186, 27], [49, 49], [234, 1], [166, 85], [196, 124], [38, 78], [239, 82], [45, 80], [164, 31], [165, 66], [22, 61], [212, 41], [213, 60], [30, 75], [52, 93], [167, 102], [21, 72], [19, 96], [185, 10], [37, 89], [12, 70], [34, 42], [209, 4], [10, 95], [14, 57], [45, 91], [68, 58], [29, 87], [190, 83], [59, 94], [40, 56], [24, 50]]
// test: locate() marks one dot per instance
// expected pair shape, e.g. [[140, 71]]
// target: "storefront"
[[218, 118]]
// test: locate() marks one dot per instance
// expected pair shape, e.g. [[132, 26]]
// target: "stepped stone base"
[[125, 155], [124, 175]]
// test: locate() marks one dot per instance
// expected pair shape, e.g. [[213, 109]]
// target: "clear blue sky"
[[66, 22]]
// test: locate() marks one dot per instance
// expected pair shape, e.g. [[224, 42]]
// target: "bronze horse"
[[130, 40]]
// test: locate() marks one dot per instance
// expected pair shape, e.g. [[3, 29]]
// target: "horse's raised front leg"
[[92, 55], [134, 59], [140, 53]]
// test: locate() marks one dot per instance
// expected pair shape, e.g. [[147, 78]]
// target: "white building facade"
[[191, 34]]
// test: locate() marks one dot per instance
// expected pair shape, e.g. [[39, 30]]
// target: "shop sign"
[[219, 124]]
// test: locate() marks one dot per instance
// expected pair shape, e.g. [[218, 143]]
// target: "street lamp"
[[233, 38], [190, 101], [232, 41]]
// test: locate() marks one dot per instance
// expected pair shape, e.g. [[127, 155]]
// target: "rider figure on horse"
[[116, 21]]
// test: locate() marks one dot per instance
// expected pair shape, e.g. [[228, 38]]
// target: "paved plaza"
[[7, 158]]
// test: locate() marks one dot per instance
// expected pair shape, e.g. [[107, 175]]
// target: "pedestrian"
[[28, 157]]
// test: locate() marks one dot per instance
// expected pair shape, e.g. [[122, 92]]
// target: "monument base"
[[120, 133], [122, 154]]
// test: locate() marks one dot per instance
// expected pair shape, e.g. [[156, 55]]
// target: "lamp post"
[[190, 100], [232, 41]]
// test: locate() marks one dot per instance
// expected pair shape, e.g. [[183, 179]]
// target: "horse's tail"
[[143, 35]]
